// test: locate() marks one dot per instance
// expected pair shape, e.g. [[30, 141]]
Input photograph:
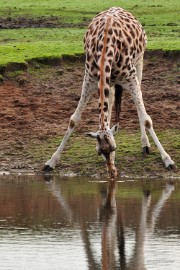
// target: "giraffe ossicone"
[[114, 45], [111, 131]]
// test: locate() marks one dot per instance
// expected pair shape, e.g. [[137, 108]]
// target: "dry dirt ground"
[[36, 104]]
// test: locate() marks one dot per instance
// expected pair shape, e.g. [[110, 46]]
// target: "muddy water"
[[76, 223]]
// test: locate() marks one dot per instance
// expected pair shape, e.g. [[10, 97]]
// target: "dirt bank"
[[36, 104]]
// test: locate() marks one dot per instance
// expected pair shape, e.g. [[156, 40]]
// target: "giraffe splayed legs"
[[114, 44]]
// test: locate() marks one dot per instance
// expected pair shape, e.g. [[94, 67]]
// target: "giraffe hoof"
[[146, 151], [47, 169], [172, 167]]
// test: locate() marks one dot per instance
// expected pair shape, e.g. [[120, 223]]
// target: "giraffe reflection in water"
[[113, 241], [113, 230]]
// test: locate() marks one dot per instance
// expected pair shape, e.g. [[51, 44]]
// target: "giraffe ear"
[[92, 134], [115, 129]]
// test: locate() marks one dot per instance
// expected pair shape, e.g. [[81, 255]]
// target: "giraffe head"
[[106, 147]]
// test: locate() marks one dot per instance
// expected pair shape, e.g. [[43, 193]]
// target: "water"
[[76, 223]]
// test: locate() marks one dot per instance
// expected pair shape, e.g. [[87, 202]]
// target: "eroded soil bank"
[[35, 106]]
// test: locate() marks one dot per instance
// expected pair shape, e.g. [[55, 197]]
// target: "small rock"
[[22, 81], [60, 71], [70, 69]]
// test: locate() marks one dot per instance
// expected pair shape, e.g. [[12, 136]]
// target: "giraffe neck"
[[104, 79]]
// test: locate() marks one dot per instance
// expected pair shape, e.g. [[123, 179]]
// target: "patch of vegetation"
[[39, 43], [14, 74], [80, 156]]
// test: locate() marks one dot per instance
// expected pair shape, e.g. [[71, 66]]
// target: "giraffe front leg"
[[144, 138], [169, 163], [87, 89], [146, 121], [51, 163]]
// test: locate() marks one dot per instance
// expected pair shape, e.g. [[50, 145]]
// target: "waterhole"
[[79, 223]]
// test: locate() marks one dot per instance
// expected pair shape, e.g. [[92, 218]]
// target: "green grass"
[[160, 20], [22, 45], [128, 154]]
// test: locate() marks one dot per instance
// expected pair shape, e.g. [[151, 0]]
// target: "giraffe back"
[[116, 36]]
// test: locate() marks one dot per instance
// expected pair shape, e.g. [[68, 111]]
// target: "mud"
[[37, 22], [36, 104]]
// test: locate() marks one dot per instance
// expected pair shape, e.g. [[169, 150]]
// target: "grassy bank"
[[69, 19], [26, 44], [159, 19], [80, 157]]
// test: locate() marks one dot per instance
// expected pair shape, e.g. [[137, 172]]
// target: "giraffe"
[[114, 45]]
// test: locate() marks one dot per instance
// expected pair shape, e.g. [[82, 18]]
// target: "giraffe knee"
[[74, 120], [148, 122], [72, 123]]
